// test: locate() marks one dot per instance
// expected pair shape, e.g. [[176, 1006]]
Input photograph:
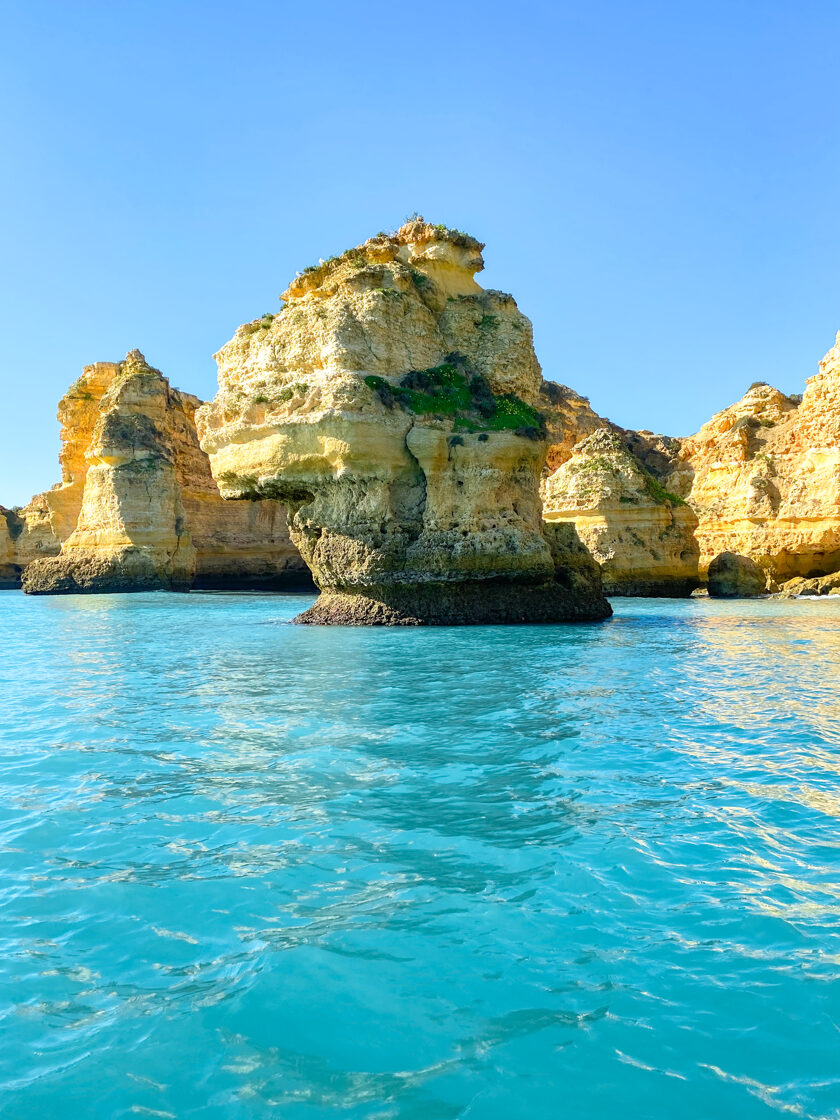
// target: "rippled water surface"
[[258, 870]]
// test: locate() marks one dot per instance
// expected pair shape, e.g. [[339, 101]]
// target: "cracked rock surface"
[[393, 404], [137, 508]]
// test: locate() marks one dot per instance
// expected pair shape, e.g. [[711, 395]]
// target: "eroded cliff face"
[[763, 477], [26, 534], [393, 404], [569, 418], [137, 507], [9, 571], [642, 536]]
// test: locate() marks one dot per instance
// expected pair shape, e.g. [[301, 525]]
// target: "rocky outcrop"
[[763, 477], [819, 585], [735, 577], [137, 507], [641, 535], [9, 571], [569, 418], [393, 404], [25, 535]]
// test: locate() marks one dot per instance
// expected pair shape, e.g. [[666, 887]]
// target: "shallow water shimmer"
[[253, 870]]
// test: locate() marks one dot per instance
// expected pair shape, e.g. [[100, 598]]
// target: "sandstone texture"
[[763, 477], [394, 405], [137, 507], [9, 571], [641, 535], [819, 585], [735, 577], [569, 418], [26, 535]]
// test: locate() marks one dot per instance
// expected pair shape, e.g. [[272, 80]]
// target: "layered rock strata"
[[392, 403], [137, 507], [641, 535], [26, 535], [763, 477]]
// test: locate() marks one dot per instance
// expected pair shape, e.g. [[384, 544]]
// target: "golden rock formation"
[[569, 418], [26, 534], [393, 404], [137, 507], [763, 477], [642, 536], [9, 571]]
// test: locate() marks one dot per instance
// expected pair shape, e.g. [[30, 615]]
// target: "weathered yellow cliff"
[[137, 507], [26, 534], [763, 477], [641, 535], [393, 404], [569, 418]]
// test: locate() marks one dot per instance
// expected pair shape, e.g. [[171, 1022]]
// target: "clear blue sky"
[[657, 184]]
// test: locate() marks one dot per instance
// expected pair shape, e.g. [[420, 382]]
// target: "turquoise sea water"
[[258, 870]]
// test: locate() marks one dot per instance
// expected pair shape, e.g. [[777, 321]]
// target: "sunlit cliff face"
[[137, 506], [642, 535], [763, 477], [392, 404]]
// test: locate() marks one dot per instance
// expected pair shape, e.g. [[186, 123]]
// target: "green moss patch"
[[452, 390], [297, 390], [659, 494]]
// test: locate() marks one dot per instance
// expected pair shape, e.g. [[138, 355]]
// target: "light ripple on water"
[[253, 870]]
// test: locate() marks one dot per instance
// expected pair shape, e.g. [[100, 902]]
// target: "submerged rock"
[[393, 404], [736, 577], [641, 535], [137, 507]]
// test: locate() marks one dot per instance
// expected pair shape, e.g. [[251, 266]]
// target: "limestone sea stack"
[[137, 508], [393, 405], [640, 534]]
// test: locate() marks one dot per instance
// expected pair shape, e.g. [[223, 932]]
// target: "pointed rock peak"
[[831, 362], [135, 365], [135, 362]]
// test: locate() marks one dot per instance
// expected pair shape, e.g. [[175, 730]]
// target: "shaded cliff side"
[[393, 403], [137, 507], [26, 535]]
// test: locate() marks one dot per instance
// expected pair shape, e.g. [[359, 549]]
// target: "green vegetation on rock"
[[452, 390], [659, 494]]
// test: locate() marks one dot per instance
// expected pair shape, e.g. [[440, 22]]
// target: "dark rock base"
[[485, 602], [85, 574], [291, 579], [651, 589], [736, 577]]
